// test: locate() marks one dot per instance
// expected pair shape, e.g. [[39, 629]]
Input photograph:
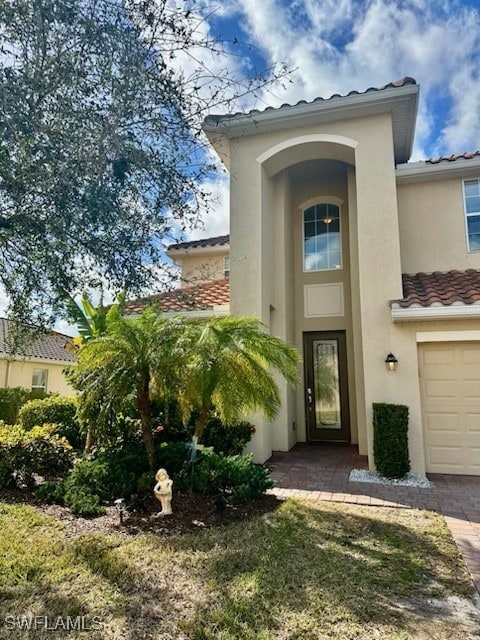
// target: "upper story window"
[[322, 246], [39, 379], [471, 190], [226, 267]]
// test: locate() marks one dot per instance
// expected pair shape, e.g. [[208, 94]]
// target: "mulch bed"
[[191, 512]]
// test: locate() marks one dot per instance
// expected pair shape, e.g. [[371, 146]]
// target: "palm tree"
[[121, 362], [229, 369], [219, 363], [91, 323]]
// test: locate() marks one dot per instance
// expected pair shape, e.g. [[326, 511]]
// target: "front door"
[[326, 387]]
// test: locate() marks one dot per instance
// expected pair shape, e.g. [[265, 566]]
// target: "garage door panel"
[[442, 455], [443, 422], [470, 356], [450, 387], [440, 389], [471, 390], [439, 356], [472, 422]]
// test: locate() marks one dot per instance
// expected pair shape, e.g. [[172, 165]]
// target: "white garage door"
[[450, 385]]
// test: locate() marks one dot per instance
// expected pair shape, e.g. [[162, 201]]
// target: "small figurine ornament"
[[163, 491]]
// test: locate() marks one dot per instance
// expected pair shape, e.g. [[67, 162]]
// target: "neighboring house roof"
[[204, 296], [49, 346], [445, 288], [204, 242], [217, 118]]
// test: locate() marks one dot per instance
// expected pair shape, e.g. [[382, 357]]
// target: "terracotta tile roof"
[[204, 242], [49, 346], [468, 155], [215, 118], [199, 297], [440, 287]]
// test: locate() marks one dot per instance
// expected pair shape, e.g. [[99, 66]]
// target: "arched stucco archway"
[[308, 147]]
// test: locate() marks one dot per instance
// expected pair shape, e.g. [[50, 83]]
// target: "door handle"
[[309, 398]]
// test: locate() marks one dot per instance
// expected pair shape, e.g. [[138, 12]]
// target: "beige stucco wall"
[[201, 268], [317, 180], [18, 373], [264, 206], [432, 227]]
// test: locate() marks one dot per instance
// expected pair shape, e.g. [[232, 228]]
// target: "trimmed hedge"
[[390, 439], [54, 410], [12, 399]]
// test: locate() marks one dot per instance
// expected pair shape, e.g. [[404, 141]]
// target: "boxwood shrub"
[[237, 477], [12, 399], [56, 410], [390, 439], [37, 451]]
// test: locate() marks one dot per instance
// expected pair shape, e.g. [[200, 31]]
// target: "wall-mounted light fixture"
[[391, 362]]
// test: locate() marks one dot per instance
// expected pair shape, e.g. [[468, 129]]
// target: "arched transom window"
[[322, 244]]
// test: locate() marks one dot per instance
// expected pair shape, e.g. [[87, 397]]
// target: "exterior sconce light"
[[391, 362]]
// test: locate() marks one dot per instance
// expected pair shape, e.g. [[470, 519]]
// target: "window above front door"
[[322, 243]]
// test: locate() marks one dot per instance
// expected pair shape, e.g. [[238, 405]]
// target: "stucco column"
[[249, 273], [379, 281]]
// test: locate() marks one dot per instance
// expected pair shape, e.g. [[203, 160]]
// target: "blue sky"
[[335, 46]]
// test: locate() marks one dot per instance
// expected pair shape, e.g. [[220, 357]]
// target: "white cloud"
[[215, 219], [437, 43]]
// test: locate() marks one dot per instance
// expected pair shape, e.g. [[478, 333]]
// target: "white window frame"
[[311, 203], [226, 266], [36, 387], [469, 215]]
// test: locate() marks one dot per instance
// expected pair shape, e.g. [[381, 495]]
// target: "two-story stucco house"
[[345, 249]]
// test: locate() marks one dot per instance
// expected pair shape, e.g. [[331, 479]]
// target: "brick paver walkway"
[[321, 472]]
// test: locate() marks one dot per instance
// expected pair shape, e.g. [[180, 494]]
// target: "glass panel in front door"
[[326, 380]]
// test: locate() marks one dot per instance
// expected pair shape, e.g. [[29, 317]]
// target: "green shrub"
[[236, 476], [83, 502], [51, 492], [173, 456], [390, 439], [227, 439], [37, 451], [54, 410], [11, 400]]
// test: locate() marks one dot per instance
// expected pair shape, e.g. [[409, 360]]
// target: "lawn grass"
[[307, 571]]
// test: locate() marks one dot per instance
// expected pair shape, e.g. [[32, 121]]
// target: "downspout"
[[7, 372]]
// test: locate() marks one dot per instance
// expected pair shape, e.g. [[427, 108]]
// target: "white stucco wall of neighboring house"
[[18, 373]]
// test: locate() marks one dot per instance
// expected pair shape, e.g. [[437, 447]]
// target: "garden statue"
[[163, 491]]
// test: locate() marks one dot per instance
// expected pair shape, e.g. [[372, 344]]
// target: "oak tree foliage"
[[101, 149]]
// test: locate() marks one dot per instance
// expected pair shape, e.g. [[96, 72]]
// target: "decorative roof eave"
[[425, 171], [198, 251], [215, 310], [20, 357], [435, 312], [400, 101]]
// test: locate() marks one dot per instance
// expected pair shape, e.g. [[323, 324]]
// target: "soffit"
[[399, 100]]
